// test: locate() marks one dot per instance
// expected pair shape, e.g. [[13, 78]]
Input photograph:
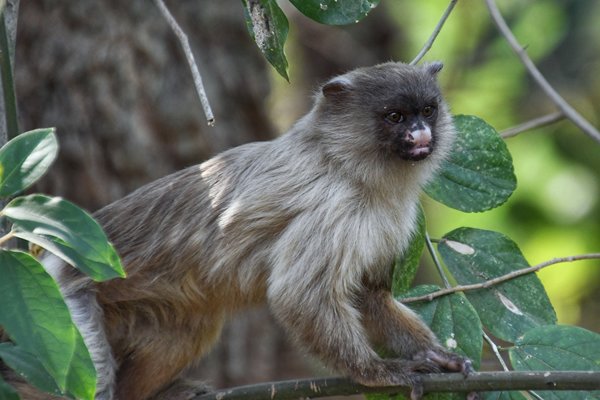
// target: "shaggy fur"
[[309, 223]]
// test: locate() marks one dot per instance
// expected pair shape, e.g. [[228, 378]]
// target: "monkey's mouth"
[[417, 153], [416, 145]]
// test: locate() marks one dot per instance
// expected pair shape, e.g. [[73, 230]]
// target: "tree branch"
[[183, 40], [500, 279], [532, 124], [556, 98], [482, 381], [435, 33]]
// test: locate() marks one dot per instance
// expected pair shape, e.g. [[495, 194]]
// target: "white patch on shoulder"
[[460, 247]]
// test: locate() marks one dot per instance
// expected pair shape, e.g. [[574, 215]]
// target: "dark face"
[[403, 103], [407, 128]]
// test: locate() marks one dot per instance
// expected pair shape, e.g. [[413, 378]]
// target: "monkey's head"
[[390, 111]]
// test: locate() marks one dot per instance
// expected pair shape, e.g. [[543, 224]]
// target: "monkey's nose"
[[418, 143], [419, 137]]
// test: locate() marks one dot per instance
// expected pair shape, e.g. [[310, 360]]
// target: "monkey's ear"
[[434, 67], [336, 86]]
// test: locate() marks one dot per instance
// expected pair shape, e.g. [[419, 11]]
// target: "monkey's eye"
[[394, 117], [427, 111]]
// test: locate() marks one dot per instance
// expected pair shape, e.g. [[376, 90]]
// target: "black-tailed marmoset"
[[309, 223]]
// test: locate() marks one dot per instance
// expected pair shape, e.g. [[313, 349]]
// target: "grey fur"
[[309, 222]]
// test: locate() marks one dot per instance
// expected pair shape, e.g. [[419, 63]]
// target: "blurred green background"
[[555, 210]]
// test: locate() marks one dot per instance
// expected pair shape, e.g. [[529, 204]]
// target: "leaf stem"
[[533, 124], [537, 76], [435, 32], [502, 278], [436, 260], [495, 350], [189, 55], [6, 237]]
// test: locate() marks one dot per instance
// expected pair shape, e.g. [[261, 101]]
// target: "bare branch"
[[436, 260], [435, 32], [482, 381], [500, 279], [556, 98], [533, 124], [183, 40]]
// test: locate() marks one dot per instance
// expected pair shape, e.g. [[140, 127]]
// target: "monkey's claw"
[[447, 361]]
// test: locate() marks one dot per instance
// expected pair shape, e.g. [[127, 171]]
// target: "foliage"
[[47, 349], [268, 25], [518, 310]]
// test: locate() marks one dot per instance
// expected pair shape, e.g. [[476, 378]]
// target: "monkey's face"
[[407, 131], [391, 109]]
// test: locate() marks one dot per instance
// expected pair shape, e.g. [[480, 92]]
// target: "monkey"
[[308, 223]]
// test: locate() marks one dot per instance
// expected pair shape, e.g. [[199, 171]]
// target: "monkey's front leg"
[[324, 320], [398, 329]]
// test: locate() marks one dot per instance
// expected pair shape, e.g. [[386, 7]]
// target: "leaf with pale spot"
[[507, 309]]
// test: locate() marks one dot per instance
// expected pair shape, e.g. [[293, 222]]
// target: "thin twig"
[[556, 98], [479, 382], [6, 238], [495, 351], [190, 59], [500, 279], [435, 33], [436, 260], [533, 124]]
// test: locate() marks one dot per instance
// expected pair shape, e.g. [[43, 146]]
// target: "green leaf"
[[558, 348], [7, 392], [29, 367], [34, 314], [453, 319], [24, 159], [479, 174], [81, 378], [67, 231], [508, 309], [268, 26], [334, 12], [503, 396], [407, 264]]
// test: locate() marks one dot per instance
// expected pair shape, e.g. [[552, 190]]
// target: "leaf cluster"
[[268, 25], [45, 346], [477, 177]]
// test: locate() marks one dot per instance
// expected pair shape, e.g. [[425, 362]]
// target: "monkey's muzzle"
[[416, 144]]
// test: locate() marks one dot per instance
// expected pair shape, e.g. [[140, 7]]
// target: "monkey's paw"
[[441, 360], [438, 360]]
